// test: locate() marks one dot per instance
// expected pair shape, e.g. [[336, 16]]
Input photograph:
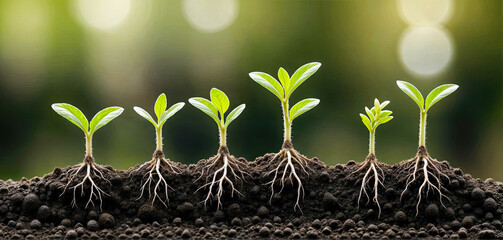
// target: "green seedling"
[[288, 156], [375, 117], [102, 118], [223, 166], [422, 161], [159, 163]]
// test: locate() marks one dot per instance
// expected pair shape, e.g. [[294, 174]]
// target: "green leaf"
[[385, 119], [160, 105], [206, 106], [145, 115], [234, 114], [170, 112], [301, 75], [220, 100], [366, 121], [385, 113], [72, 114], [384, 104], [377, 107], [103, 117], [370, 113], [412, 92], [284, 78], [269, 83], [302, 107], [439, 93]]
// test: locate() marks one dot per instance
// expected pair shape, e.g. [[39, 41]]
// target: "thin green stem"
[[222, 132], [372, 140], [89, 145], [286, 120], [158, 137], [422, 129]]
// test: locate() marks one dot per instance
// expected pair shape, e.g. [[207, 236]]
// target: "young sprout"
[[75, 116], [422, 161], [288, 156], [223, 166], [376, 116], [158, 162]]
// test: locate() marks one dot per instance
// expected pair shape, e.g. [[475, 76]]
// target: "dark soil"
[[34, 208]]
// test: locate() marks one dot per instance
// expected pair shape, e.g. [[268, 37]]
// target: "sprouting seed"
[[159, 163], [102, 118], [223, 168], [288, 156], [431, 168], [375, 117]]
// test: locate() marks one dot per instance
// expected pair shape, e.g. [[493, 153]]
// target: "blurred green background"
[[95, 53]]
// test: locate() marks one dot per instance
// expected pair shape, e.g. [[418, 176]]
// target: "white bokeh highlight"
[[425, 12], [103, 14], [210, 15]]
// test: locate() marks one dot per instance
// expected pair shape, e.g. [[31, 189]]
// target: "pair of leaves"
[[160, 111], [219, 104], [433, 97], [284, 88], [302, 107], [376, 116], [75, 116]]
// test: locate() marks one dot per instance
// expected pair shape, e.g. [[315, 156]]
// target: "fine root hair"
[[373, 171]]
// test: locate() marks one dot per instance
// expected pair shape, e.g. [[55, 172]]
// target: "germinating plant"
[[223, 168], [431, 169], [91, 169], [375, 117], [159, 163], [283, 89]]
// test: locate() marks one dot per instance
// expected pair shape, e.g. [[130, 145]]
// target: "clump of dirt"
[[38, 208]]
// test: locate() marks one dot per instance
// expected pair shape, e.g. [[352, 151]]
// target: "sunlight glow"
[[425, 12], [103, 14], [210, 15]]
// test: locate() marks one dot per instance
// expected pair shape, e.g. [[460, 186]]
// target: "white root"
[[230, 169], [155, 167], [372, 166], [288, 157], [95, 191], [430, 173]]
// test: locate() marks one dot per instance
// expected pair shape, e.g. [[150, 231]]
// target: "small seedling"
[[375, 117], [158, 163], [102, 118], [422, 161], [223, 166], [288, 156]]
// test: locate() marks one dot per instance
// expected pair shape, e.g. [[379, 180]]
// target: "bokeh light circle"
[[425, 50], [425, 12], [210, 15], [103, 14]]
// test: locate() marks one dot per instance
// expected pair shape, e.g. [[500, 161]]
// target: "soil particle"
[[349, 224], [490, 204], [400, 217], [31, 203], [71, 234], [106, 220], [431, 211], [233, 210], [487, 234], [263, 212], [329, 201], [264, 232], [478, 193], [92, 225]]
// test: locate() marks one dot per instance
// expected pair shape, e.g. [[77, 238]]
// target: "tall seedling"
[[431, 169], [288, 156], [159, 163], [75, 116], [375, 117], [223, 168]]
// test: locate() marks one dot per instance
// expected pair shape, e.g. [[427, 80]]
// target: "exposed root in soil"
[[371, 166], [289, 157], [223, 168], [92, 169], [431, 170], [155, 167]]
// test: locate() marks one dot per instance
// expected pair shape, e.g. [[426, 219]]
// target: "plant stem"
[[287, 123], [222, 132], [422, 129], [372, 148], [89, 145], [158, 135]]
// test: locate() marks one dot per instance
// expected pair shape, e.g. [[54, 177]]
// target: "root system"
[[372, 170]]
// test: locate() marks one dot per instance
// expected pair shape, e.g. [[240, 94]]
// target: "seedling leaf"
[[234, 114], [439, 93], [268, 82], [103, 117], [284, 78], [385, 113], [370, 113], [72, 114], [145, 115], [366, 121], [160, 105], [206, 106], [301, 75], [170, 112], [385, 119], [412, 92], [220, 100], [302, 107]]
